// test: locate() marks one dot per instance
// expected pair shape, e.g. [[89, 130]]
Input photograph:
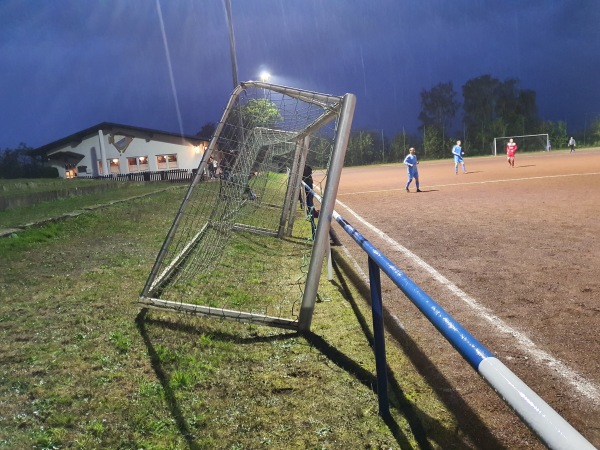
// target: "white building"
[[110, 149]]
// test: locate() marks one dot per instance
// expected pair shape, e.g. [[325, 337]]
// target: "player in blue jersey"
[[458, 157], [411, 166]]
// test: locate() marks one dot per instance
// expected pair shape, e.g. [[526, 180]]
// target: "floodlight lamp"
[[264, 76]]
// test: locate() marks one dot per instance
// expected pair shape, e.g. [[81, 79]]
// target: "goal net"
[[240, 248], [526, 143]]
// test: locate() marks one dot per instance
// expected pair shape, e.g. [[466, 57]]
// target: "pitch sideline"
[[473, 183], [581, 384]]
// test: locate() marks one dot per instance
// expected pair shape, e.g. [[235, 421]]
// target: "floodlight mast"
[[234, 69]]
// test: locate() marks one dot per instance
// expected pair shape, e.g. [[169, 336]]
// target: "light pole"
[[593, 117], [234, 69]]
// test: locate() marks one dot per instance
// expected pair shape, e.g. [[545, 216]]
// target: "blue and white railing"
[[554, 431]]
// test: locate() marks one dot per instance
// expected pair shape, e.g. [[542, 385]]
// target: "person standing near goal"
[[411, 167], [511, 149], [458, 157], [572, 144]]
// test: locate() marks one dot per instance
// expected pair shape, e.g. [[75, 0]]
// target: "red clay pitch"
[[514, 256]]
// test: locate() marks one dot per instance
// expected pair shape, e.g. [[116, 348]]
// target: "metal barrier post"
[[379, 338]]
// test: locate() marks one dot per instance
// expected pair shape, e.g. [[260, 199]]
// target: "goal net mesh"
[[240, 245]]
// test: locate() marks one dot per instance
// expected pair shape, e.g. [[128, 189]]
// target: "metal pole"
[[234, 69], [289, 203], [382, 147], [322, 235], [329, 262], [379, 338]]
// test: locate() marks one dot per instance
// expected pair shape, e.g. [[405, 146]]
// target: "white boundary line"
[[581, 384], [506, 180]]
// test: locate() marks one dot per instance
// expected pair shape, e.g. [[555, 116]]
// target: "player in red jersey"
[[511, 149]]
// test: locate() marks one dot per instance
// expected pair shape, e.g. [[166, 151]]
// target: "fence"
[[174, 176], [554, 431]]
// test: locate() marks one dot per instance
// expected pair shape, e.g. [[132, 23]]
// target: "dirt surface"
[[520, 250]]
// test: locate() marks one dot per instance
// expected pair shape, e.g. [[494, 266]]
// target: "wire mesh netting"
[[529, 143], [240, 244]]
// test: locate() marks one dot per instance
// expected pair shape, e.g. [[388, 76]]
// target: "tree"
[[494, 108], [557, 133], [433, 142], [399, 146], [255, 113], [260, 113], [438, 106], [479, 106], [591, 132], [360, 149], [207, 130], [24, 162]]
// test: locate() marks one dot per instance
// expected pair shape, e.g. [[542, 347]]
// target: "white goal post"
[[217, 257], [527, 142]]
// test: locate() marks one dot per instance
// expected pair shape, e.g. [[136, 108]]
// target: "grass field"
[[24, 215], [81, 367]]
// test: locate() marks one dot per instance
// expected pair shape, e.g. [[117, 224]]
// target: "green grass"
[[81, 367], [18, 217], [20, 186]]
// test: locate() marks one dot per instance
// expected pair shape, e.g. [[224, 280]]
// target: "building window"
[[137, 163], [132, 165], [115, 167], [166, 162], [143, 163], [100, 168]]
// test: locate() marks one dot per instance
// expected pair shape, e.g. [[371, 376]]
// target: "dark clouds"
[[69, 64]]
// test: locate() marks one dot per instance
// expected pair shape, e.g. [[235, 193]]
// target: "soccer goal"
[[239, 247], [526, 143]]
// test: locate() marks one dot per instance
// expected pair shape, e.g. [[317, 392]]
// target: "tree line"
[[23, 162], [490, 108]]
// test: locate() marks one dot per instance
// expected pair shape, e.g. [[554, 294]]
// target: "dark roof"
[[76, 138], [66, 154]]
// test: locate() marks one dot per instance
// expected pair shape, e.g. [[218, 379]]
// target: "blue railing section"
[[471, 349], [554, 431]]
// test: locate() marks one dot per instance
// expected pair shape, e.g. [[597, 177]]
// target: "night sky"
[[70, 64]]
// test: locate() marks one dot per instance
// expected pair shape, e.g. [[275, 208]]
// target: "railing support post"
[[379, 338]]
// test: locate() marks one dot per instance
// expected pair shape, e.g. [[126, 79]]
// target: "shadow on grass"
[[142, 321], [423, 427], [319, 343], [468, 421], [170, 397], [370, 380]]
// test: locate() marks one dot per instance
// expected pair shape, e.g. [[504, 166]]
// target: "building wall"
[[143, 153]]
